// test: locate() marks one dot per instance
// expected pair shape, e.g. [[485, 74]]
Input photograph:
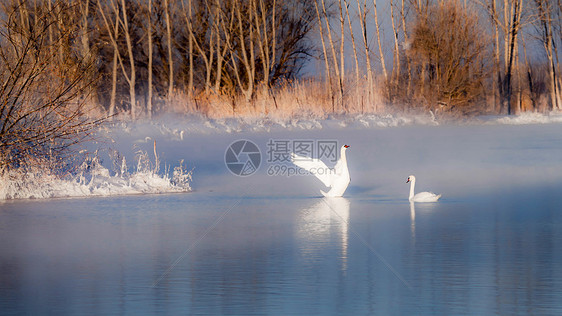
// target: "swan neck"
[[412, 186], [342, 155]]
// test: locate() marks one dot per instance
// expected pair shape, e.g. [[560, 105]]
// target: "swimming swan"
[[337, 179], [422, 196]]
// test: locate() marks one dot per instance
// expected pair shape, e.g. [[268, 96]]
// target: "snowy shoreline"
[[93, 179], [177, 128]]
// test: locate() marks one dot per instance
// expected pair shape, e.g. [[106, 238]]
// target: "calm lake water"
[[270, 245]]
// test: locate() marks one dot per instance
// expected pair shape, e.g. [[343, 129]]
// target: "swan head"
[[411, 178]]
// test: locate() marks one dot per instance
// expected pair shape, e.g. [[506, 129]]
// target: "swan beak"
[[408, 180], [346, 146]]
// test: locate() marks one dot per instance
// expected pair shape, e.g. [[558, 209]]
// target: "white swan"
[[422, 196], [337, 179]]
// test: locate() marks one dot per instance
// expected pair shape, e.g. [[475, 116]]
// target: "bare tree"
[[377, 29], [514, 27], [396, 63], [363, 23], [170, 54], [190, 50], [545, 29], [116, 56], [245, 54], [342, 45], [448, 42], [42, 113], [120, 11], [132, 77], [224, 24], [325, 55], [266, 30], [84, 32], [331, 42], [355, 57], [150, 53], [207, 55], [495, 20], [406, 41]]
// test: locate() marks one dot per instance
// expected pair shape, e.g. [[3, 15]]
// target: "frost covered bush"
[[181, 177], [90, 178]]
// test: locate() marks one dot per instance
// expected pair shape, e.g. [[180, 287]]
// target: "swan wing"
[[315, 167]]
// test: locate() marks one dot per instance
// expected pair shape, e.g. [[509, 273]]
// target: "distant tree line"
[[145, 51], [473, 56], [136, 58], [455, 56]]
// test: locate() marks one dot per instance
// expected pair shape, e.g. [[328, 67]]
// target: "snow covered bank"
[[91, 179], [527, 118], [174, 128]]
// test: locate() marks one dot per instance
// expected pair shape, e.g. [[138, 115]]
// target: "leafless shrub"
[[43, 108], [449, 55]]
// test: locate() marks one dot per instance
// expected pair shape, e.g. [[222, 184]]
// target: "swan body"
[[422, 196], [337, 179]]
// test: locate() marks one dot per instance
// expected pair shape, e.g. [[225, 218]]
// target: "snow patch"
[[527, 118], [91, 179], [173, 128]]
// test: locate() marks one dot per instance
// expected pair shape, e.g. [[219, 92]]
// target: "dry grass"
[[290, 99]]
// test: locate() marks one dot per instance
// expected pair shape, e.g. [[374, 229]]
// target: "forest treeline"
[[147, 55], [66, 65]]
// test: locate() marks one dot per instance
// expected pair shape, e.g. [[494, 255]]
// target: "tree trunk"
[[150, 48], [333, 50], [406, 40], [207, 59], [357, 87], [113, 32], [325, 53], [342, 46], [381, 55], [170, 55], [60, 27], [396, 68], [51, 33], [190, 52], [363, 23], [512, 40], [545, 18], [133, 76], [529, 78], [84, 36], [497, 82], [114, 69], [247, 61]]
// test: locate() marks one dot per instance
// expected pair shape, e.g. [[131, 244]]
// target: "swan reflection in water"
[[413, 220], [321, 224]]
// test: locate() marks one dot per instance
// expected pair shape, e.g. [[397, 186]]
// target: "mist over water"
[[270, 245]]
